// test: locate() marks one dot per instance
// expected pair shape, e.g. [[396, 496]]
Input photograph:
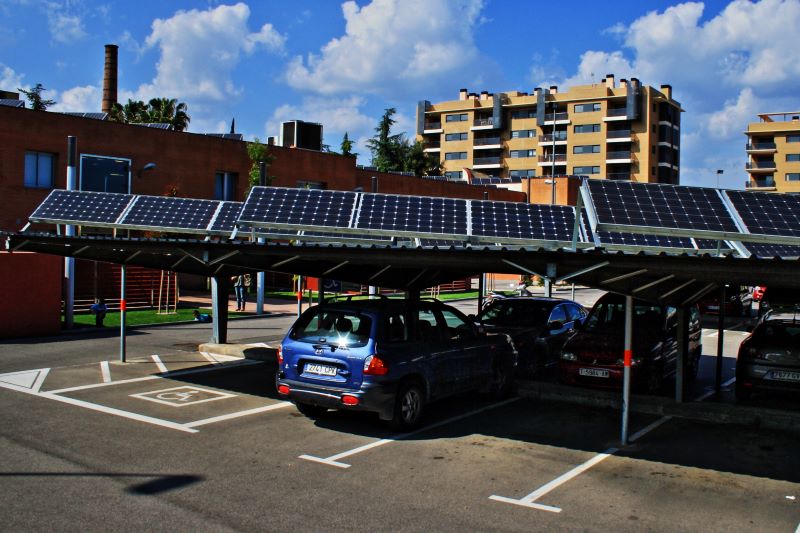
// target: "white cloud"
[[392, 46], [740, 61], [9, 80], [200, 50], [78, 99], [65, 28]]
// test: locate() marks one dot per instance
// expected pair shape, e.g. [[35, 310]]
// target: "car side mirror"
[[555, 324]]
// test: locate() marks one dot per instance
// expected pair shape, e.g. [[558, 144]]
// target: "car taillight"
[[349, 400], [374, 366], [280, 354], [283, 390]]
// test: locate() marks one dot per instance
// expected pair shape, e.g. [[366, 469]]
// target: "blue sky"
[[342, 63]]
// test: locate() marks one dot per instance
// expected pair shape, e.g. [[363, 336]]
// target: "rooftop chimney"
[[484, 95], [554, 89], [623, 83], [110, 78], [667, 90], [462, 94], [610, 81]]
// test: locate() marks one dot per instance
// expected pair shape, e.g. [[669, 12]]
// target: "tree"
[[134, 112], [386, 148], [347, 146], [258, 152], [169, 111], [35, 99], [416, 160]]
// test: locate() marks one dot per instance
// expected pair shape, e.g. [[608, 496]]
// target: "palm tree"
[[134, 112], [169, 111]]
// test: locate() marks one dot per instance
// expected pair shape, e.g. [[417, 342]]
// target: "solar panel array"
[[768, 213], [226, 218], [170, 214], [653, 205], [768, 251], [516, 220], [412, 215], [287, 208]]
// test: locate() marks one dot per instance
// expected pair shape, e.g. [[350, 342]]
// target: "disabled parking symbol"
[[183, 396]]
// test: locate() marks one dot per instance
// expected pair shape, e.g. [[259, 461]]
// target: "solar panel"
[[412, 215], [641, 240], [774, 250], [514, 220], [226, 217], [11, 103], [658, 207], [710, 244], [167, 213], [440, 243], [94, 116], [768, 213], [81, 208], [289, 208]]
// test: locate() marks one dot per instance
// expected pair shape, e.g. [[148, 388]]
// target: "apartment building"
[[605, 130], [773, 152]]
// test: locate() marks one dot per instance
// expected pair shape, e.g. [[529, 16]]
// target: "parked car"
[[391, 357], [769, 358], [538, 326], [593, 356], [739, 302]]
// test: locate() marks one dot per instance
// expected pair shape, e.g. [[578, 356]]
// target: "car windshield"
[[776, 334], [334, 327], [516, 313], [611, 315]]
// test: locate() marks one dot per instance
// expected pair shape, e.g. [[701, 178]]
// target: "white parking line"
[[333, 460], [161, 366], [530, 499], [237, 415], [105, 371]]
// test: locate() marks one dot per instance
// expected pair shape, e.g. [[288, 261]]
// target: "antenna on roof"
[[233, 125]]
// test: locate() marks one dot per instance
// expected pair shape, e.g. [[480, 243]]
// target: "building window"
[[587, 108], [449, 156], [793, 138], [792, 157], [793, 176], [587, 128], [528, 173], [459, 117], [586, 149], [39, 169], [523, 113], [453, 175], [523, 134], [579, 171], [522, 153], [105, 174], [225, 185], [456, 136]]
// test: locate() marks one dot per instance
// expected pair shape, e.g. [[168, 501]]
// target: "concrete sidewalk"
[[271, 305]]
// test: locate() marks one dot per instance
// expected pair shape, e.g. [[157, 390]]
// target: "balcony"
[[616, 113], [485, 123], [619, 176], [487, 142], [619, 136], [558, 159], [764, 183], [559, 137], [486, 162], [432, 147], [623, 156], [764, 147], [432, 127], [557, 118], [756, 167]]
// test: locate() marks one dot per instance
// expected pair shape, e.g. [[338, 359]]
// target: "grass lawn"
[[138, 317], [444, 296]]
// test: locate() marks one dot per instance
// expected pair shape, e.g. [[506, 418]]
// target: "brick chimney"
[[110, 78]]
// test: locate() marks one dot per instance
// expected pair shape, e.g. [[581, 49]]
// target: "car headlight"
[[569, 356]]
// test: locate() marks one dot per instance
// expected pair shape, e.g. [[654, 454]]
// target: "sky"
[[343, 63]]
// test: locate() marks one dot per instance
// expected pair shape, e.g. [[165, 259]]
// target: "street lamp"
[[148, 166]]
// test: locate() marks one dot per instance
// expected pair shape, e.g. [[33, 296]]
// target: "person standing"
[[238, 288], [99, 310]]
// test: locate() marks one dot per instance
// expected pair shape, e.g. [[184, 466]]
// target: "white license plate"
[[321, 370], [593, 372], [785, 376]]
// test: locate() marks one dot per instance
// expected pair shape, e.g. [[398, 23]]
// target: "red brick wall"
[[31, 302]]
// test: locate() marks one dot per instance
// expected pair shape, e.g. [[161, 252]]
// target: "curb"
[[259, 351]]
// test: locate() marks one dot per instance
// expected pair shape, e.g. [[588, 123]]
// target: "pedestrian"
[[238, 288], [99, 310], [201, 317]]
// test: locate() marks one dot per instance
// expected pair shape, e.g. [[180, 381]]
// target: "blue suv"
[[388, 356]]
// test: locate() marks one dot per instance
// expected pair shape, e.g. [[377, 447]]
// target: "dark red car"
[[593, 356]]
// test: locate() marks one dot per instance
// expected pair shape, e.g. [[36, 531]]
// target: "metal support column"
[[548, 281], [683, 357], [626, 376], [261, 278], [299, 295], [220, 285], [373, 290], [122, 310], [720, 338], [321, 290], [69, 262], [481, 290]]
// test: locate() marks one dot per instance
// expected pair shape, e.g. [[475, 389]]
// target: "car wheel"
[[502, 381], [408, 406], [311, 411]]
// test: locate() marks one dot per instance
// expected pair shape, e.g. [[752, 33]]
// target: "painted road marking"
[[161, 366], [530, 499], [333, 460], [182, 396], [105, 371], [230, 416], [25, 381]]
